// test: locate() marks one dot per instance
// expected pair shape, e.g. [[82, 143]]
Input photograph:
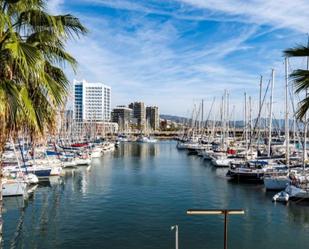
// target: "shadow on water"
[[299, 212]]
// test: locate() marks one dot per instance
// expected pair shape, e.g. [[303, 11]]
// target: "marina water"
[[131, 197]]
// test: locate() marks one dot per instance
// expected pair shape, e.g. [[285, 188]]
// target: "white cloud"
[[146, 65], [149, 59], [278, 13], [54, 6]]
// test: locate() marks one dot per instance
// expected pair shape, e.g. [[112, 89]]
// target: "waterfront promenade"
[[239, 132]]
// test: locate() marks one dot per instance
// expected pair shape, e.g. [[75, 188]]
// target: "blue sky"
[[173, 53]]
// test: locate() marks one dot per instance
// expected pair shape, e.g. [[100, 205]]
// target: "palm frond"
[[57, 55], [299, 51], [302, 108], [61, 25], [301, 80], [33, 86], [70, 25]]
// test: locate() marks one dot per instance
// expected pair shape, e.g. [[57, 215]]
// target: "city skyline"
[[71, 104], [175, 53]]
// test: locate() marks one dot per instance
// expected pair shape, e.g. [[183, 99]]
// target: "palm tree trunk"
[[2, 147], [1, 197]]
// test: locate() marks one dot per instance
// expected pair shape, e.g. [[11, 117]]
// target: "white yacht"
[[96, 152], [276, 181], [82, 161], [220, 160], [207, 154], [108, 147], [145, 139], [68, 162], [14, 187]]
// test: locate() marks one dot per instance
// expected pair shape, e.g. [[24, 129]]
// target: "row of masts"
[[252, 129]]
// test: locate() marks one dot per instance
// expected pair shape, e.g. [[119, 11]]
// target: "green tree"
[[33, 86], [301, 78]]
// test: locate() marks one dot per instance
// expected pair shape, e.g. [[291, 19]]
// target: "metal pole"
[[271, 110], [224, 212], [250, 116], [287, 128], [306, 122], [176, 237], [202, 116], [227, 114], [246, 131], [225, 229], [260, 111]]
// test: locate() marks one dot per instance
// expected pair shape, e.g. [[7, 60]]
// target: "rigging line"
[[302, 64], [259, 114], [277, 123], [294, 109], [231, 114], [210, 111]]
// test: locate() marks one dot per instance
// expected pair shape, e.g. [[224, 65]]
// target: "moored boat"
[[13, 187], [281, 197], [248, 172]]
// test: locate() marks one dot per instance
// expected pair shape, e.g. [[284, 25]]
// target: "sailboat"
[[278, 180], [298, 188], [146, 138], [17, 183], [13, 187]]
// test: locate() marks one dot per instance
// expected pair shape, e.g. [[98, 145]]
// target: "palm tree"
[[33, 86], [301, 78]]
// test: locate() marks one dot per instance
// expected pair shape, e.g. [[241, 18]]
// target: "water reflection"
[[138, 150], [299, 213]]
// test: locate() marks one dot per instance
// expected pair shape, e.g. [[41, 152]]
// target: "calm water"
[[129, 200]]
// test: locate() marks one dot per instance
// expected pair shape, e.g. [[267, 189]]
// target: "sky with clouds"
[[173, 53]]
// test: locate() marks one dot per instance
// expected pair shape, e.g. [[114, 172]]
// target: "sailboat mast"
[[250, 117], [245, 119], [214, 126], [287, 130], [234, 122], [227, 114], [260, 111], [271, 110], [222, 121], [202, 117], [306, 122], [294, 119]]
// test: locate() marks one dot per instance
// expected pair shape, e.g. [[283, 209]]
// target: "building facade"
[[139, 113], [122, 115], [152, 117], [92, 101]]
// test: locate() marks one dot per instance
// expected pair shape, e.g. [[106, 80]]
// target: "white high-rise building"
[[92, 101]]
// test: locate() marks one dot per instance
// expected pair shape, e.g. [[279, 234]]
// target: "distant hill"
[[174, 118], [238, 123]]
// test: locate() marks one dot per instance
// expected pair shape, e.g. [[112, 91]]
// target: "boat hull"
[[245, 176], [14, 188], [96, 154], [41, 173], [296, 193], [281, 197], [220, 162], [82, 162], [272, 183]]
